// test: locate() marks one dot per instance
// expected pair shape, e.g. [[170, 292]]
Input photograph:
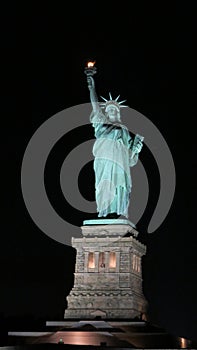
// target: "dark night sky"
[[145, 54]]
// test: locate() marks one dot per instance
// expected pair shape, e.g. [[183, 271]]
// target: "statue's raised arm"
[[97, 115], [93, 94]]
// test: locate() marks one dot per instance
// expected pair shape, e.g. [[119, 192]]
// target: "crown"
[[115, 102]]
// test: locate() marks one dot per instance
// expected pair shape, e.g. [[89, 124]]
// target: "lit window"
[[102, 259], [138, 264], [134, 262], [112, 260], [91, 261], [183, 343]]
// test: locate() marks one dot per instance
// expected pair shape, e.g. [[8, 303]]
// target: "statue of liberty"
[[115, 151]]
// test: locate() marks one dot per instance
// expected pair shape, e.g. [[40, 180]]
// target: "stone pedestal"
[[108, 278]]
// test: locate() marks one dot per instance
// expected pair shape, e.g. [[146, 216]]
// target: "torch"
[[90, 69]]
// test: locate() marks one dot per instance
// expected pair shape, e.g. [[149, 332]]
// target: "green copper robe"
[[112, 162]]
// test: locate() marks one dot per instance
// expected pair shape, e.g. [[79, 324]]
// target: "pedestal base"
[[107, 228], [109, 222], [107, 305], [108, 279]]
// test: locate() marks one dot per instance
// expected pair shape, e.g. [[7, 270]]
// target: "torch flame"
[[91, 64]]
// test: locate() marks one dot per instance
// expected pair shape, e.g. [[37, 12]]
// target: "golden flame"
[[91, 64]]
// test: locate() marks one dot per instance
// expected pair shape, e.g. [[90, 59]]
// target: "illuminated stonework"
[[108, 277]]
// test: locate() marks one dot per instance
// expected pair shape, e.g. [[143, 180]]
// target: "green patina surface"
[[114, 153]]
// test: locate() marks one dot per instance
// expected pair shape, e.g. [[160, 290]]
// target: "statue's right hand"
[[90, 81]]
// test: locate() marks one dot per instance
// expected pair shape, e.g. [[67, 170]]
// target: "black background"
[[143, 53]]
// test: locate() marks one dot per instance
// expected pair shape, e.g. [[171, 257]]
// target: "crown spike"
[[117, 98], [123, 106], [110, 96], [103, 98], [121, 102]]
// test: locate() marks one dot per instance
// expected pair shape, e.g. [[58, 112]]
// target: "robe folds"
[[112, 162]]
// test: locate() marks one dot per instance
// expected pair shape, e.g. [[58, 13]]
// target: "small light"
[[61, 341]]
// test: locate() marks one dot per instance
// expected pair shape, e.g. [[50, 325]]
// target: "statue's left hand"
[[137, 148]]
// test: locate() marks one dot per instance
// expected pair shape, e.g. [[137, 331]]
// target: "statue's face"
[[112, 114]]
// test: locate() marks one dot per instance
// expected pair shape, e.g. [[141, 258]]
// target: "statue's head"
[[113, 113], [112, 108]]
